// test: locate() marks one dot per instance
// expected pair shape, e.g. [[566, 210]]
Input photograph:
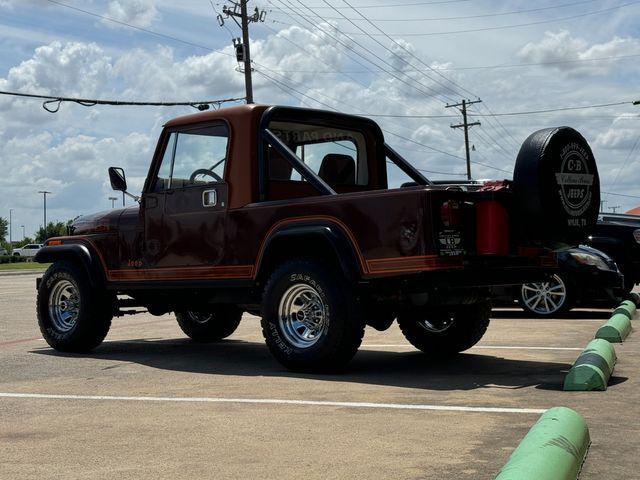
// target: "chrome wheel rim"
[[439, 325], [200, 317], [544, 298], [302, 315], [64, 305]]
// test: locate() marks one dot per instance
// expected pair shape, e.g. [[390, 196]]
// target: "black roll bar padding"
[[297, 164], [405, 166]]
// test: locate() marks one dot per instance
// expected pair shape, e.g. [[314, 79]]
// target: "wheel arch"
[[76, 253], [309, 240]]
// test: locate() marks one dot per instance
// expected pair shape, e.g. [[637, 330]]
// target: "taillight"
[[450, 213]]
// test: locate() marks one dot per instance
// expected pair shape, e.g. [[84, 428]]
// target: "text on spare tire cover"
[[575, 183]]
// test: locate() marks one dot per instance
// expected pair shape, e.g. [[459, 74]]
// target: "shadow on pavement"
[[571, 315], [467, 371]]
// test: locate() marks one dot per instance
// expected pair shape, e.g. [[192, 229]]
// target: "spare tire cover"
[[556, 186]]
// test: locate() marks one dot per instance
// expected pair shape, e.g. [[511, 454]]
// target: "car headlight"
[[586, 259], [636, 235]]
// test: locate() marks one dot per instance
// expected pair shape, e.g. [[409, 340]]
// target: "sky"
[[399, 58]]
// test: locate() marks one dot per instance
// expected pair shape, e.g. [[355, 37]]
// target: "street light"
[[44, 197], [10, 227], [113, 201]]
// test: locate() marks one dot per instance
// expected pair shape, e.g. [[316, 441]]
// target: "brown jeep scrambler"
[[286, 213]]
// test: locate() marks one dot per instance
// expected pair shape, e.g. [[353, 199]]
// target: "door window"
[[194, 157]]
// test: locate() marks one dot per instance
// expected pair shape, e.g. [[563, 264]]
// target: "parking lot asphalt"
[[148, 403]]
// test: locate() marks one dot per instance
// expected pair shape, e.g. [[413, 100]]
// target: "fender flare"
[[343, 248], [79, 253]]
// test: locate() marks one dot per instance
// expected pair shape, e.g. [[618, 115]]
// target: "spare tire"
[[556, 187]]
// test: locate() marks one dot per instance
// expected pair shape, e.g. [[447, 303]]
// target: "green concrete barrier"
[[592, 369], [635, 298], [553, 449], [616, 329], [626, 308]]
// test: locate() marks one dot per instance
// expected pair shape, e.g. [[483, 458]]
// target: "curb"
[[616, 329], [627, 308], [10, 273], [553, 449], [592, 369]]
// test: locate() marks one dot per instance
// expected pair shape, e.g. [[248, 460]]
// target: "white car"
[[29, 250]]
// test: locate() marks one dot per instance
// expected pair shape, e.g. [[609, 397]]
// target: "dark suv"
[[618, 235]]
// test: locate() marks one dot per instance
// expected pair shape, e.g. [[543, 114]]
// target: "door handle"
[[209, 198]]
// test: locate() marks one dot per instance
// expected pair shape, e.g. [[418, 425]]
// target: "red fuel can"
[[492, 228]]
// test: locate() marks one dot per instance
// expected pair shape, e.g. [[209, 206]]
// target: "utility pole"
[[44, 198], [466, 125], [243, 52], [602, 202], [613, 209], [23, 235], [113, 201]]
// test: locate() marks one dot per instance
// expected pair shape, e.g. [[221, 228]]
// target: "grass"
[[23, 266]]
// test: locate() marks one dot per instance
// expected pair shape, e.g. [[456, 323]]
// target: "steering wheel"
[[204, 171]]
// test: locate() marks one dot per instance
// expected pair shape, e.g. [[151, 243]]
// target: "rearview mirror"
[[117, 178]]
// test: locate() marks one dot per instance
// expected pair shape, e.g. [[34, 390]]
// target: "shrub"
[[12, 259]]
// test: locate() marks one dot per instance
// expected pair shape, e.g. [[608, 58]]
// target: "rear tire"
[[210, 326], [446, 331], [73, 316], [311, 320]]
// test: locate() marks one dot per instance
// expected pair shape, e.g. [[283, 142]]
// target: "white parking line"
[[273, 401], [485, 347]]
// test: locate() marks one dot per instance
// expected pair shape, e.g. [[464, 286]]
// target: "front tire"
[[210, 326], [311, 319], [446, 331], [73, 316]]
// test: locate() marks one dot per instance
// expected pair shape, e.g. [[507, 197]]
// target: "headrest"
[[338, 169], [279, 167]]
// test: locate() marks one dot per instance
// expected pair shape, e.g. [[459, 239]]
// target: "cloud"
[[141, 13], [561, 47], [73, 68]]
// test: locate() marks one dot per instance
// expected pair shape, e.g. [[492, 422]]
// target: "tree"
[[58, 229], [3, 228], [23, 242]]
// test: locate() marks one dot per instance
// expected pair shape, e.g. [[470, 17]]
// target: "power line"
[[626, 161], [621, 195], [506, 114], [463, 17], [394, 5], [479, 67], [287, 89], [87, 102], [435, 172], [350, 47], [505, 27], [387, 48], [413, 55], [136, 27]]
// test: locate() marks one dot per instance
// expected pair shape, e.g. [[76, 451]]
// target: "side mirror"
[[117, 178]]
